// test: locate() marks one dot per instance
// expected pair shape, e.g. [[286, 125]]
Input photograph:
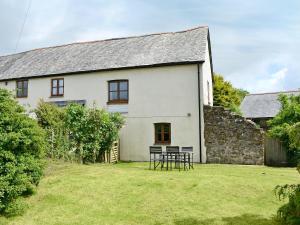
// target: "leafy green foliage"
[[286, 124], [289, 213], [226, 95], [22, 147], [77, 132], [51, 118]]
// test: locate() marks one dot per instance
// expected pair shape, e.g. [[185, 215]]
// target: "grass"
[[128, 193]]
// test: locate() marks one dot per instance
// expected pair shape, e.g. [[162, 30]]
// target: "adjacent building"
[[262, 107]]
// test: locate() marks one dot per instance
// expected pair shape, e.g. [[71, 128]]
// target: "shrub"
[[286, 125], [22, 148], [289, 213], [78, 132]]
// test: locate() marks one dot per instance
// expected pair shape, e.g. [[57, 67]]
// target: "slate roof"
[[148, 50], [264, 105]]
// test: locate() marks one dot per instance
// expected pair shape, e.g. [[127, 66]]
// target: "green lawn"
[[129, 193]]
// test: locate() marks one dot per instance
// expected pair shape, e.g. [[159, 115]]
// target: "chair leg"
[[150, 163]]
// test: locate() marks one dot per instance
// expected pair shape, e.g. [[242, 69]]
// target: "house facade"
[[159, 82], [262, 107]]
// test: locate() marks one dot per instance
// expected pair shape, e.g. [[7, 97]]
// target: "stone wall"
[[230, 138]]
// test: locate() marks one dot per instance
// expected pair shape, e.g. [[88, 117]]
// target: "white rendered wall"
[[158, 94]]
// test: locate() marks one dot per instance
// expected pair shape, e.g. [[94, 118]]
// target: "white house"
[[159, 82]]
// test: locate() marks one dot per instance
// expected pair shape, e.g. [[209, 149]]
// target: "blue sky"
[[255, 44]]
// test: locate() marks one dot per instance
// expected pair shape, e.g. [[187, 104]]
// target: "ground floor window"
[[162, 133]]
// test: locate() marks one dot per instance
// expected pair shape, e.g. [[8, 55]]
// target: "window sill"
[[164, 144], [21, 96], [56, 96], [118, 103]]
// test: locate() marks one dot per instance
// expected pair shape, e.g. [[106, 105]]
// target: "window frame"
[[118, 91], [162, 127], [23, 95], [57, 87]]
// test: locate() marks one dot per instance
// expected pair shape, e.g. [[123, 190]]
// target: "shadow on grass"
[[245, 219]]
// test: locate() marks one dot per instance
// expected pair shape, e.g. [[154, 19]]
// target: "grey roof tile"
[[264, 105], [155, 49]]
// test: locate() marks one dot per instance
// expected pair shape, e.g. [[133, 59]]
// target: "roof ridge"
[[277, 92], [109, 39]]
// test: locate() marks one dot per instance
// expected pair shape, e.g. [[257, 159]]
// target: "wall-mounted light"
[[6, 83], [189, 114]]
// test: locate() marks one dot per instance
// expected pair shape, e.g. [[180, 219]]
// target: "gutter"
[[199, 108]]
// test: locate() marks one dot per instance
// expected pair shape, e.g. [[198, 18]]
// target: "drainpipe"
[[199, 108]]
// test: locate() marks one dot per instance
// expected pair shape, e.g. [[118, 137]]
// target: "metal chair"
[[173, 155], [189, 156], [154, 152]]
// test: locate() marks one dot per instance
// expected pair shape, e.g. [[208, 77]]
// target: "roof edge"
[[276, 92], [102, 70]]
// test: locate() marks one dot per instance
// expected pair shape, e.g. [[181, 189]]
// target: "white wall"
[[207, 79], [161, 94]]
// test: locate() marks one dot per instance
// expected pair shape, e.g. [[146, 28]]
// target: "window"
[[57, 87], [118, 91], [162, 133], [22, 88]]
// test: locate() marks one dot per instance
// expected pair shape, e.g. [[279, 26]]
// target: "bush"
[[286, 125], [22, 148], [289, 213], [79, 131]]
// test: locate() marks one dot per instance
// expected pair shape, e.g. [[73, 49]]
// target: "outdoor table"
[[176, 157]]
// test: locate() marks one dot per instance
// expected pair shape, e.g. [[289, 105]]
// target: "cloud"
[[248, 37]]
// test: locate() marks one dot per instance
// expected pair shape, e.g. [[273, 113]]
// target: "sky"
[[255, 44]]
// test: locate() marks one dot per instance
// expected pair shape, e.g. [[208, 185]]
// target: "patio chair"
[[173, 155], [155, 156], [189, 156]]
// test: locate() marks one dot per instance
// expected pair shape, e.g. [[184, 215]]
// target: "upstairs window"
[[162, 133], [57, 87], [118, 91], [22, 88]]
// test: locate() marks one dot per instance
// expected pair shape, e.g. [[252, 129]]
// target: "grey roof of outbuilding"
[[140, 51], [264, 105]]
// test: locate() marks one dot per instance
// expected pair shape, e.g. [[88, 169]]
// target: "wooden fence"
[[275, 152], [113, 155]]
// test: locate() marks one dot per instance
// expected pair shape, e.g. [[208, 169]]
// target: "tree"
[[286, 125], [226, 95], [22, 148]]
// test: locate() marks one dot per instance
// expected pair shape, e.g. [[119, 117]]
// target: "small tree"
[[226, 95], [22, 147]]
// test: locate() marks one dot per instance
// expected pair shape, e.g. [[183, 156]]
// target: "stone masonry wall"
[[230, 138]]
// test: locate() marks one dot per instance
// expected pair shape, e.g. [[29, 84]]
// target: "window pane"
[[166, 128], [25, 84], [19, 92], [113, 95], [124, 95], [158, 137], [54, 83], [166, 137], [54, 91], [113, 86], [61, 83], [25, 92], [157, 128], [60, 90], [19, 84], [123, 86]]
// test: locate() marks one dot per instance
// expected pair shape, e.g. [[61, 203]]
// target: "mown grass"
[[129, 193]]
